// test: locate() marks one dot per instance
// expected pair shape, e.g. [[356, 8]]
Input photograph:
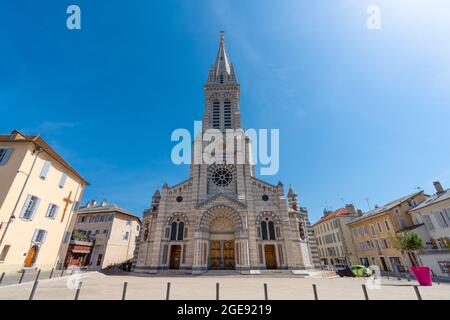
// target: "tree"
[[79, 235], [408, 242]]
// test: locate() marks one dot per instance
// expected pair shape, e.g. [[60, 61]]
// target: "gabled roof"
[[388, 206], [38, 141], [219, 195], [433, 200]]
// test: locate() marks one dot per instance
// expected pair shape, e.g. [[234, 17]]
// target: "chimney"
[[360, 213], [350, 207], [438, 187]]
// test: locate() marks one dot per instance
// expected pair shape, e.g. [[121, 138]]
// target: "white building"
[[432, 220], [104, 236]]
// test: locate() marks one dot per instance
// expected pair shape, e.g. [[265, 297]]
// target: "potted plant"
[[410, 243]]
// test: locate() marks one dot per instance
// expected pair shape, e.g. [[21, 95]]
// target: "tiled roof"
[[388, 206], [105, 208], [342, 212], [37, 140], [433, 199]]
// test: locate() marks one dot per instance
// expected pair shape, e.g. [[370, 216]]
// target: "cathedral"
[[223, 217]]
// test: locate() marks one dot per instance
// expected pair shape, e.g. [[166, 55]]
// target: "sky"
[[362, 113]]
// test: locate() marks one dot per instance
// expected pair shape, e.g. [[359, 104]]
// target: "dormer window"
[[221, 78]]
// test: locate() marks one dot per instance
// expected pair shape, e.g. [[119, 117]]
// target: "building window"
[[216, 115], [227, 114], [45, 169], [267, 230], [265, 197], [52, 211], [386, 223], [177, 231], [379, 227], [125, 236], [66, 237], [441, 220], [4, 252], [62, 181], [105, 232], [99, 259], [30, 207], [179, 199], [301, 230], [39, 236], [128, 222], [4, 155], [264, 230]]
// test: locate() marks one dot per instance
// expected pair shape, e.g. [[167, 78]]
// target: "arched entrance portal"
[[31, 257], [222, 227]]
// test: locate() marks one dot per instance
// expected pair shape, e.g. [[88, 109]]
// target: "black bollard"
[[37, 276], [51, 273], [316, 297], [21, 276], [33, 290], [416, 289], [366, 296], [124, 293], [266, 295], [77, 294], [217, 291], [62, 272], [168, 291], [1, 278]]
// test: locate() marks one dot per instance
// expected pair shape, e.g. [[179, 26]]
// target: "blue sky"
[[362, 113]]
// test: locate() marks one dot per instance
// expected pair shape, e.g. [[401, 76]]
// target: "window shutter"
[[45, 169], [5, 158], [56, 212], [35, 234], [44, 236], [62, 182], [35, 207], [25, 206]]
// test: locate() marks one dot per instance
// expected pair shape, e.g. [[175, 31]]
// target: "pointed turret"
[[292, 199], [222, 71], [155, 200]]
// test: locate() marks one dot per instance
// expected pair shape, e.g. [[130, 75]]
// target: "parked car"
[[339, 266], [345, 272], [361, 271]]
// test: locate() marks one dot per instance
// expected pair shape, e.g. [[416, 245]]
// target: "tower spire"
[[222, 70]]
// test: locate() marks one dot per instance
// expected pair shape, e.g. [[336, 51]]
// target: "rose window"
[[221, 177]]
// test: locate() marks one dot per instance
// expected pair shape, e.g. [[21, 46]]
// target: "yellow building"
[[39, 192], [371, 233]]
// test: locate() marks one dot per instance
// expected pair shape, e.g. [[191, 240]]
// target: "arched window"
[[146, 227], [264, 230], [177, 230], [216, 115], [173, 231], [268, 230], [221, 78], [227, 114], [271, 231], [180, 231], [301, 230]]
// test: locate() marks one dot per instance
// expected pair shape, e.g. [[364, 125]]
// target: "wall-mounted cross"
[[68, 201]]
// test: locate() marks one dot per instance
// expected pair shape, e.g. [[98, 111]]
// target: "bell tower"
[[222, 93]]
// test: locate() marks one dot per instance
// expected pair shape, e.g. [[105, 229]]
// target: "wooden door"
[[215, 254], [228, 254], [29, 260], [271, 258], [175, 256]]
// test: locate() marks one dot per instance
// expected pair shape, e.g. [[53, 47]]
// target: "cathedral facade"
[[223, 217]]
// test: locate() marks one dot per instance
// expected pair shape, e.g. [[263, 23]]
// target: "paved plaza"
[[97, 286]]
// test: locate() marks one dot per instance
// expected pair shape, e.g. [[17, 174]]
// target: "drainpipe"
[[12, 217]]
